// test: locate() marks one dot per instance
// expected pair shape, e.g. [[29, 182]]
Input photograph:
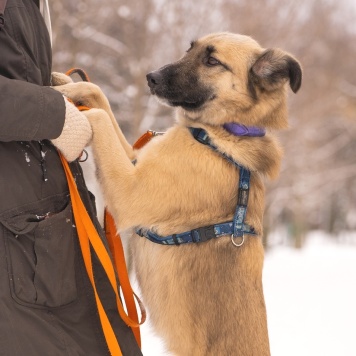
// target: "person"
[[47, 304]]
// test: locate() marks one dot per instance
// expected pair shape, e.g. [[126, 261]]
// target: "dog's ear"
[[273, 67]]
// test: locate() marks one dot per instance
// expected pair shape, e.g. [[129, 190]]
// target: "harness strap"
[[241, 209], [235, 228], [200, 234], [244, 183], [202, 136]]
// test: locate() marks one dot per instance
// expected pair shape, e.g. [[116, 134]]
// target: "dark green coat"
[[47, 306]]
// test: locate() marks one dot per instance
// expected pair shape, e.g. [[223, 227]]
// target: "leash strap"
[[115, 246], [83, 75], [235, 228], [88, 236], [145, 138]]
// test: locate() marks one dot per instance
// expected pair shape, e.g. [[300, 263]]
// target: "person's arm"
[[29, 112]]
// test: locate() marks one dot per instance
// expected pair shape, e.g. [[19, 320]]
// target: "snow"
[[27, 158], [311, 300]]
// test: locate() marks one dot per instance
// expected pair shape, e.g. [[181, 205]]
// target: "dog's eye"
[[211, 61]]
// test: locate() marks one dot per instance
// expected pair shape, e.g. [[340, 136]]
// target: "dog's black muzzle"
[[179, 85], [154, 79]]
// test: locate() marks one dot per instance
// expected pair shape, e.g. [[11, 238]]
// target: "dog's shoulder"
[[259, 154], [172, 143]]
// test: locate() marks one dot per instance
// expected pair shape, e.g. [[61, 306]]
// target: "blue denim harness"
[[235, 228]]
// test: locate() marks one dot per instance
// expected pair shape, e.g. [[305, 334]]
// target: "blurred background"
[[119, 41], [310, 218]]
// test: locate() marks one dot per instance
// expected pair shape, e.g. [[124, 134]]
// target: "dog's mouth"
[[187, 104], [190, 104], [193, 104]]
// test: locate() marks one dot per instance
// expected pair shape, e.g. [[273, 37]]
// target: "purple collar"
[[242, 130]]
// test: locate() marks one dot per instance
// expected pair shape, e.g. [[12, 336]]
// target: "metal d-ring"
[[234, 243], [86, 155]]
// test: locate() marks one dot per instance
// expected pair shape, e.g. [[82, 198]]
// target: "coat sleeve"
[[29, 112]]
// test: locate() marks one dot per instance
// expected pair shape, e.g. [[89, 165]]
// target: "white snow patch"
[[27, 158], [310, 296]]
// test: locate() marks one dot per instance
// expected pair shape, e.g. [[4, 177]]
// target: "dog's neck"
[[242, 130]]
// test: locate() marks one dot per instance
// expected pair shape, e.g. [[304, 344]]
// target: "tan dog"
[[204, 298]]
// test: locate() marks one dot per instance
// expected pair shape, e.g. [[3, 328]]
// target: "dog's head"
[[226, 77]]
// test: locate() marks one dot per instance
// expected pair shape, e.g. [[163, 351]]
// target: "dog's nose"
[[154, 79]]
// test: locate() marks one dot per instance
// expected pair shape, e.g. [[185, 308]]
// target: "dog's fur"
[[207, 298]]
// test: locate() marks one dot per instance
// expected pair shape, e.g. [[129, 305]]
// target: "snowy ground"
[[311, 300]]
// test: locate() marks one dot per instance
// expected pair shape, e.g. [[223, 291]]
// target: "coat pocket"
[[41, 253]]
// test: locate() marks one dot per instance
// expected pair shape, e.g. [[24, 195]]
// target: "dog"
[[204, 298]]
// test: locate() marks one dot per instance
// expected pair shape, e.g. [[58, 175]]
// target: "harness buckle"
[[206, 233], [156, 133]]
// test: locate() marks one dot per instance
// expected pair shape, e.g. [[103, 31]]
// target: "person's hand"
[[76, 133]]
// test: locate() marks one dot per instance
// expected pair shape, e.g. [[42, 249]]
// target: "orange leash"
[[87, 234], [80, 72], [85, 78], [117, 250], [145, 138]]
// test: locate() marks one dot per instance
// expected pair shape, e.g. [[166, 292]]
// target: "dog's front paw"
[[77, 93], [95, 116], [60, 79], [84, 94]]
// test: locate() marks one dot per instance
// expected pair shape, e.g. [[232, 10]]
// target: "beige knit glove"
[[76, 133]]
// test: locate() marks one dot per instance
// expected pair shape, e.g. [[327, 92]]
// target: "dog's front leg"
[[90, 95], [114, 167]]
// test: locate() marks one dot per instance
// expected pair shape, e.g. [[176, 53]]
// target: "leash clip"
[[85, 154], [238, 244], [155, 133]]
